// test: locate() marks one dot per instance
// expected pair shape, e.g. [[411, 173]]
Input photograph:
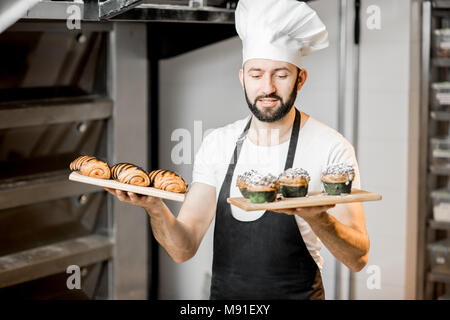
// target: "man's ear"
[[302, 76], [241, 77]]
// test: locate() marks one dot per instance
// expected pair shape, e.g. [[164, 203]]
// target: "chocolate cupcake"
[[294, 183], [262, 188], [242, 181], [338, 178]]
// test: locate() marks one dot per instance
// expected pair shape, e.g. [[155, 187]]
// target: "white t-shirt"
[[318, 145]]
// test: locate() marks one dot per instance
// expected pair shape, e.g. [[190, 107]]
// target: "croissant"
[[167, 180], [91, 167], [130, 174]]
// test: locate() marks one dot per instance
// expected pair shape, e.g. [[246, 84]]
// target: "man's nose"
[[268, 86]]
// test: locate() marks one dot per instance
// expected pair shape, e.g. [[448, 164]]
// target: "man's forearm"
[[348, 245], [171, 234]]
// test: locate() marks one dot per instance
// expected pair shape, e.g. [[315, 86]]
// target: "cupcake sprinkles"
[[295, 173], [268, 180], [242, 181], [338, 178]]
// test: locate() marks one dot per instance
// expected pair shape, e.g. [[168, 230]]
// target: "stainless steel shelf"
[[128, 10], [47, 187], [43, 112], [438, 277], [52, 259], [111, 8], [433, 69], [440, 115], [173, 13], [440, 169], [440, 4], [440, 62], [439, 225]]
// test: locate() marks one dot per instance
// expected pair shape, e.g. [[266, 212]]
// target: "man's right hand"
[[144, 201]]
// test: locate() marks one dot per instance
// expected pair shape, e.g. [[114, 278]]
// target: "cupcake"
[[262, 188], [338, 178], [294, 183], [242, 181]]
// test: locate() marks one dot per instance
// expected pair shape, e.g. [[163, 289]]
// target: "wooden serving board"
[[312, 199], [149, 191]]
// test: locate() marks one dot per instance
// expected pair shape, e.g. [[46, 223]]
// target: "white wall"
[[383, 143]]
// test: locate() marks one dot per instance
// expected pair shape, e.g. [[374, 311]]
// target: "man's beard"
[[279, 113]]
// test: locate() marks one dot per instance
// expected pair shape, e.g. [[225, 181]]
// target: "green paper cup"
[[336, 188], [262, 196], [293, 191]]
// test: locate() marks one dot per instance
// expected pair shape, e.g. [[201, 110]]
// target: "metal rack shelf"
[[438, 277], [438, 225], [440, 4], [42, 188], [44, 112], [440, 62], [173, 13], [129, 10], [440, 115], [443, 170], [440, 169], [433, 172], [52, 259]]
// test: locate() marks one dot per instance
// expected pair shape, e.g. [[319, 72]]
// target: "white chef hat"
[[283, 30]]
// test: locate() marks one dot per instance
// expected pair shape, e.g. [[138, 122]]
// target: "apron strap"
[[237, 150], [240, 141], [293, 141]]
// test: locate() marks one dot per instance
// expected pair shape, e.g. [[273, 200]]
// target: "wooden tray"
[[313, 199], [149, 191]]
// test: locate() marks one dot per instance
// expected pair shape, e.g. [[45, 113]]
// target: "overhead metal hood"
[[158, 10], [212, 11]]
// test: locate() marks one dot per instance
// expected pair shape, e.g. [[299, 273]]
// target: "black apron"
[[262, 259]]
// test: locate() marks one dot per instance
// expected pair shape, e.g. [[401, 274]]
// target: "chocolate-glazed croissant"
[[91, 167], [131, 174], [167, 180]]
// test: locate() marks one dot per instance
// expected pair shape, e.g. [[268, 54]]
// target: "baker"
[[266, 255]]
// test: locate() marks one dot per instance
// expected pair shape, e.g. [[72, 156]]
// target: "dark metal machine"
[[68, 91]]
